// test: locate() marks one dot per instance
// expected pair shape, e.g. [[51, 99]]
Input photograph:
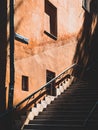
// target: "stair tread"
[[52, 127], [69, 110], [55, 121], [61, 117]]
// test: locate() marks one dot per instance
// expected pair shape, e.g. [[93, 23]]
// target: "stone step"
[[58, 122], [57, 102], [59, 108], [77, 98], [67, 112], [80, 93], [81, 89], [69, 108], [62, 117], [52, 127], [71, 104]]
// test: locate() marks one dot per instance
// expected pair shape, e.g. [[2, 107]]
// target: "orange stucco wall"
[[42, 52]]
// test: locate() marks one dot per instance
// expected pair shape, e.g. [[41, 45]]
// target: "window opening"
[[51, 87], [24, 83], [51, 11]]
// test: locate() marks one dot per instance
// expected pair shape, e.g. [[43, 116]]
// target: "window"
[[25, 83], [51, 87], [51, 11]]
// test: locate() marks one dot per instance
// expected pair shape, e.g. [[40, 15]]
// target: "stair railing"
[[90, 113], [17, 107], [40, 89], [45, 86]]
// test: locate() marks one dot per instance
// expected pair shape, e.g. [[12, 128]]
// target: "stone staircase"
[[68, 110]]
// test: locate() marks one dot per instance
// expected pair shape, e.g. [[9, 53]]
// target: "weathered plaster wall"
[[42, 52], [55, 59], [32, 22]]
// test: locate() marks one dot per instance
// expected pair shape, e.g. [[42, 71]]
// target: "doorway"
[[51, 90]]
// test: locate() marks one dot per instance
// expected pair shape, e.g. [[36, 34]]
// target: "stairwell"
[[73, 108]]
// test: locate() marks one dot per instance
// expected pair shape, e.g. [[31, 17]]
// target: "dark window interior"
[[25, 83], [51, 87], [51, 10]]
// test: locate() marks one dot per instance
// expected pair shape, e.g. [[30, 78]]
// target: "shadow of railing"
[[90, 114]]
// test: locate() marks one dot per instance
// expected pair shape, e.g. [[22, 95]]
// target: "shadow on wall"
[[4, 40], [86, 54]]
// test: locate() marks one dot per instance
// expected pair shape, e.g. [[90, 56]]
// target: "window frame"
[[51, 87], [51, 11]]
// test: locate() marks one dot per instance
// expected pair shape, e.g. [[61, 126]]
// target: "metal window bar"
[[90, 114]]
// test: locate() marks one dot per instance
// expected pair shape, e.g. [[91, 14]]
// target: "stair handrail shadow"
[[90, 114]]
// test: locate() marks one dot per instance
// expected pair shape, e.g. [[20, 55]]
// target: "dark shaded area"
[[3, 53], [86, 55], [3, 59], [51, 87], [5, 121]]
